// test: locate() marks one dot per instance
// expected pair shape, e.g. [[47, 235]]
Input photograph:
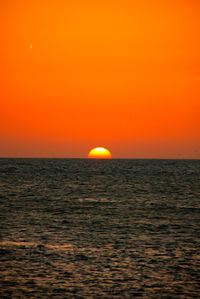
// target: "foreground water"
[[75, 228]]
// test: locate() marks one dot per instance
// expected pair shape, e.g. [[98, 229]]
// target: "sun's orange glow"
[[122, 73], [99, 153]]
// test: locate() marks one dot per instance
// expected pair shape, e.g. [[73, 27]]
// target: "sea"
[[84, 228]]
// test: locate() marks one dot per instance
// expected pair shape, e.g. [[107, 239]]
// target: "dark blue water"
[[77, 228]]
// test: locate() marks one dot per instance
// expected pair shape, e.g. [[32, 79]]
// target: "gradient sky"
[[124, 75]]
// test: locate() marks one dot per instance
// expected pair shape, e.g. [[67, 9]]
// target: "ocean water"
[[78, 228]]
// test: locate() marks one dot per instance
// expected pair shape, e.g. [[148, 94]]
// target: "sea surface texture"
[[78, 228]]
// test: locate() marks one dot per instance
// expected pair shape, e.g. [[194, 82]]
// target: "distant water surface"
[[78, 228]]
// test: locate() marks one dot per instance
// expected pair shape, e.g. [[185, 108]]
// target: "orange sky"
[[124, 75]]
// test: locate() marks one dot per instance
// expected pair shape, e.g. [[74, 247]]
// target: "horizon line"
[[85, 158]]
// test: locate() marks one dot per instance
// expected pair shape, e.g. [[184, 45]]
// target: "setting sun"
[[99, 153]]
